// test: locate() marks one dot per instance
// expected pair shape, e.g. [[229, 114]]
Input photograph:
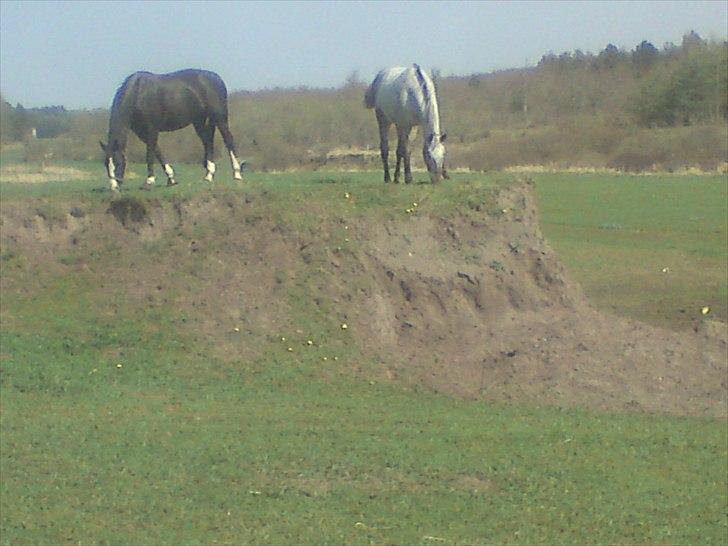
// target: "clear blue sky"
[[77, 53]]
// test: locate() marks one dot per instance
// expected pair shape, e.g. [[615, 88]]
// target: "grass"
[[173, 447], [617, 234], [120, 427], [283, 461]]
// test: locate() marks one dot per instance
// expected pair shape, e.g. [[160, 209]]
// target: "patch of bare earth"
[[475, 306]]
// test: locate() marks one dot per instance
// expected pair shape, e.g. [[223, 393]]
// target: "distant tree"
[[689, 90], [353, 79], [579, 56], [609, 57], [6, 121], [436, 77], [565, 57], [692, 40], [548, 59], [50, 121], [669, 49], [20, 127], [644, 56]]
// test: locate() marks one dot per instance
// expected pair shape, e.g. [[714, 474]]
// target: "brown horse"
[[150, 103]]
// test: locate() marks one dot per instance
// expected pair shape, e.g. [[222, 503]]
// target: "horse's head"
[[114, 161], [434, 155]]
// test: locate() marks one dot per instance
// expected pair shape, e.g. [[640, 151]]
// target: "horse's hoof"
[[171, 182]]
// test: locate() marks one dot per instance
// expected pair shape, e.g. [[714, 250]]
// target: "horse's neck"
[[430, 116], [120, 118], [429, 111], [119, 130]]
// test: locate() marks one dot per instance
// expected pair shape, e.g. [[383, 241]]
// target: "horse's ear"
[[103, 146], [443, 136]]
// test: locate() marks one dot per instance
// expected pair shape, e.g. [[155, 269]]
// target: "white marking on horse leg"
[[210, 170], [234, 161], [170, 174], [236, 167], [111, 168], [151, 180]]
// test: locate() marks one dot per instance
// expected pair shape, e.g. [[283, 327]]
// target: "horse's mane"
[[429, 94], [423, 83], [124, 88], [120, 92]]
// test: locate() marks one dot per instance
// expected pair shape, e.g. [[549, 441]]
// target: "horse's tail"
[[371, 93], [217, 95]]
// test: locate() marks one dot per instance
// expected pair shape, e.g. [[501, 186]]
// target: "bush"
[[672, 149]]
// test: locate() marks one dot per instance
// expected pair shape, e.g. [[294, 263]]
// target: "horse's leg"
[[406, 154], [168, 170], [384, 143], [398, 153], [403, 153], [151, 142], [206, 131], [227, 138]]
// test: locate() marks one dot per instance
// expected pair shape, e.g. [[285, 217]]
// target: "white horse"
[[406, 97]]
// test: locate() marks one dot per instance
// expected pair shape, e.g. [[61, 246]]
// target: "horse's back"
[[171, 101], [195, 76], [207, 86], [397, 95]]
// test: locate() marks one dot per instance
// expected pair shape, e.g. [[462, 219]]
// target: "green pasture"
[[119, 427], [651, 247]]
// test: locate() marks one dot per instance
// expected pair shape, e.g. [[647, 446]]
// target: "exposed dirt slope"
[[476, 306]]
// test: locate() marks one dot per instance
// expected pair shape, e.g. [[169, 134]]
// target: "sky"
[[76, 54]]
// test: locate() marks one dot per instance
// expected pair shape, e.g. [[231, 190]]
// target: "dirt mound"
[[476, 305], [486, 310]]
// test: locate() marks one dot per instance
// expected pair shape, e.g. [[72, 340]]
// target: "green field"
[[124, 427], [616, 234]]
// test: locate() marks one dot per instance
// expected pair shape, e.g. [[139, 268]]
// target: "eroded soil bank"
[[476, 304]]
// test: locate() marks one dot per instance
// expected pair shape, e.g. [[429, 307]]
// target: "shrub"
[[672, 149]]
